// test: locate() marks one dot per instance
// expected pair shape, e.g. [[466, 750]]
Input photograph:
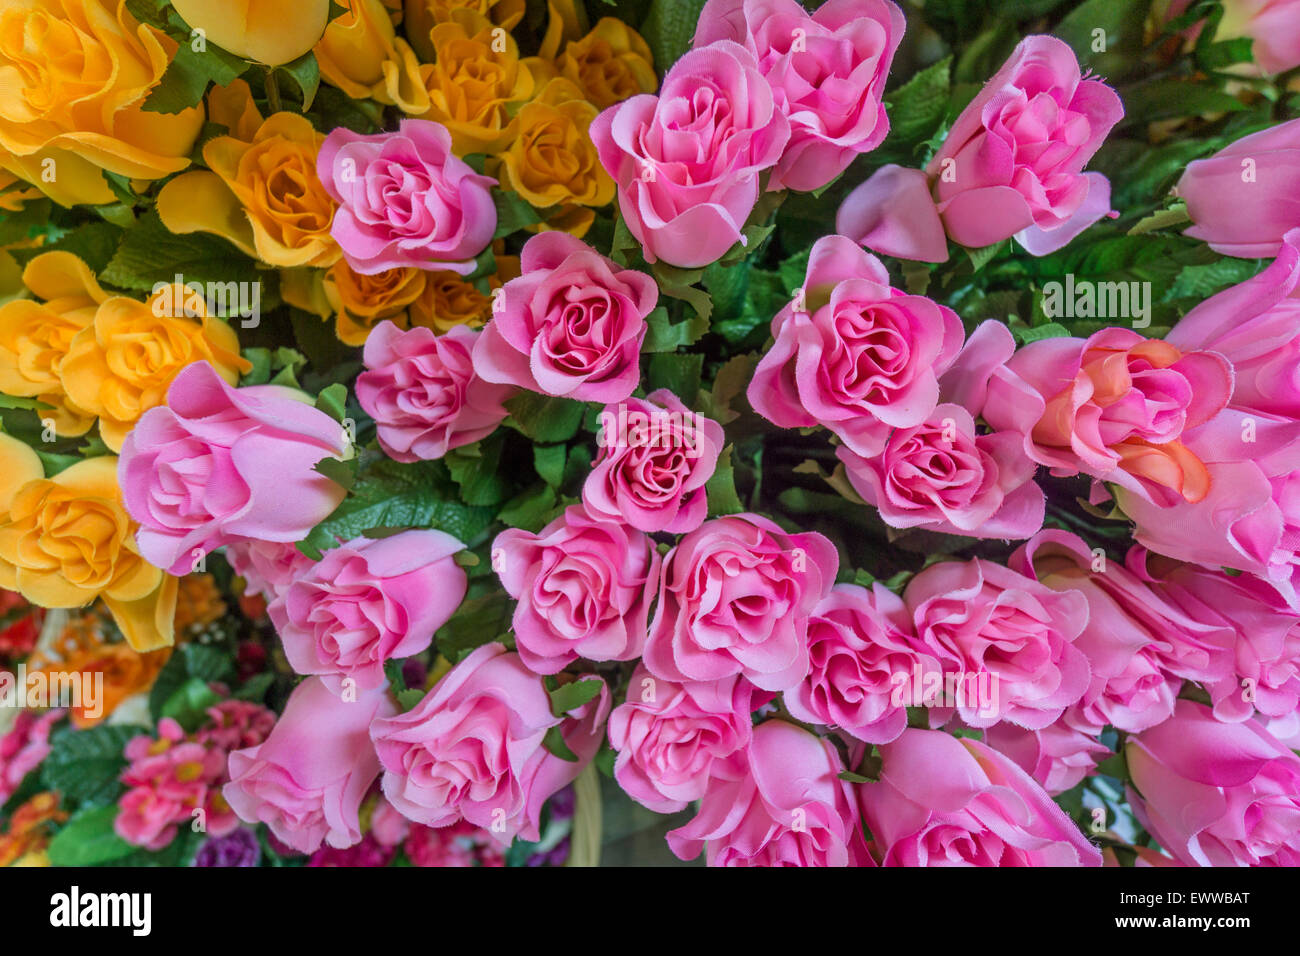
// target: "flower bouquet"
[[522, 433]]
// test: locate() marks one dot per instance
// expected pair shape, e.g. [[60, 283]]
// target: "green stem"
[[272, 91]]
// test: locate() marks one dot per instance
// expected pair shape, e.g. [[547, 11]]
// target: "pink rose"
[[267, 567], [405, 200], [1114, 406], [1250, 518], [944, 801], [1265, 672], [1139, 645], [858, 641], [672, 737], [24, 747], [1216, 794], [1011, 166], [367, 602], [583, 585], [571, 325], [854, 354], [735, 596], [789, 809], [1007, 640], [473, 748], [687, 161], [942, 475], [218, 464], [1057, 756], [306, 781], [654, 462], [1256, 327], [827, 70], [423, 393], [1239, 197]]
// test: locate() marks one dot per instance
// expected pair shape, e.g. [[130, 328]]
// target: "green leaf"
[[342, 473], [477, 621], [150, 254], [981, 257], [668, 28], [476, 469], [254, 689], [24, 404], [1201, 282], [513, 213], [1052, 330], [554, 742], [93, 243], [548, 461], [169, 680], [305, 73], [389, 494], [189, 704], [573, 695], [1216, 56], [721, 488], [84, 765], [663, 335], [333, 401], [89, 839], [848, 776], [530, 508], [917, 107], [678, 372], [187, 77], [206, 662], [1171, 98], [407, 699], [544, 418]]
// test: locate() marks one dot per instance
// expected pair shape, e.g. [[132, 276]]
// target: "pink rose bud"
[[1057, 756], [217, 464], [1214, 793], [405, 200], [789, 809], [734, 598], [367, 602], [473, 749], [945, 801], [654, 462], [306, 781], [827, 69], [854, 354], [687, 161], [584, 586], [673, 737], [423, 393], [571, 325], [1237, 198], [1011, 166]]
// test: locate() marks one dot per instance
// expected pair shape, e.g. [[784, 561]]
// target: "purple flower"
[[238, 848]]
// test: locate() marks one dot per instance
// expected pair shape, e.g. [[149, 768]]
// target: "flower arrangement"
[[851, 433]]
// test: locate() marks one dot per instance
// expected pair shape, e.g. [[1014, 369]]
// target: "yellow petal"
[[201, 202], [148, 623], [62, 275], [18, 465]]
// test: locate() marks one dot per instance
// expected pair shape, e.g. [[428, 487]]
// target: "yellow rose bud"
[[553, 161], [360, 302], [610, 64], [262, 195], [266, 31], [421, 16], [121, 365], [77, 73], [362, 55], [233, 107], [66, 541], [476, 83], [36, 337]]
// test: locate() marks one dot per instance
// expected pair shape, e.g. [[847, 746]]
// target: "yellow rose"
[[449, 301], [421, 16], [12, 195], [233, 107], [267, 31], [35, 338], [553, 161], [262, 195], [610, 64], [362, 55], [67, 540], [360, 302], [76, 74], [121, 365], [476, 83]]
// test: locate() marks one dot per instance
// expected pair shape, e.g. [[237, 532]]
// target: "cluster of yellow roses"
[[71, 112]]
